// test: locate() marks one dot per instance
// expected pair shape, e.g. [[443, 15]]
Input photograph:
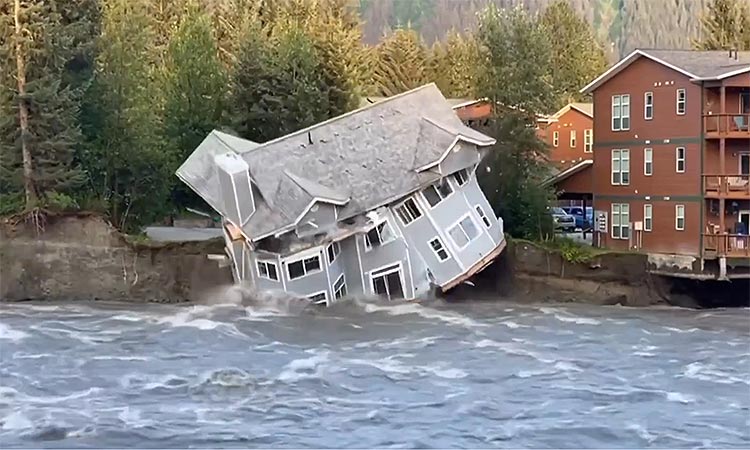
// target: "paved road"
[[176, 234]]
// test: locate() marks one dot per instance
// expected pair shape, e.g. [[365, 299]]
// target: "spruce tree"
[[453, 65], [401, 63], [726, 25]]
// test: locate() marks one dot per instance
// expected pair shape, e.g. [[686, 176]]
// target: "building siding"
[[564, 155]]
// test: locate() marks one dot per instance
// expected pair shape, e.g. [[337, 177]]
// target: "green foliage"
[[726, 25], [401, 63], [572, 251], [453, 65]]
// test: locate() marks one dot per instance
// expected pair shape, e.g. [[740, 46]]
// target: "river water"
[[372, 375]]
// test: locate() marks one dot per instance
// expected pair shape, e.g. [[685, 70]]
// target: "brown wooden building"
[[672, 153]]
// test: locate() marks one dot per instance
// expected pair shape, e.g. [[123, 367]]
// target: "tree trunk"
[[23, 111]]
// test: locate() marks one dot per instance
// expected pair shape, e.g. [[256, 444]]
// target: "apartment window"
[[679, 217], [648, 161], [572, 138], [321, 298], [681, 101], [339, 287], [483, 216], [620, 167], [463, 232], [435, 193], [648, 219], [303, 267], [461, 177], [379, 235], [267, 270], [440, 252], [588, 141], [648, 106], [620, 221], [408, 211], [387, 282], [680, 159], [333, 251], [555, 138], [620, 112]]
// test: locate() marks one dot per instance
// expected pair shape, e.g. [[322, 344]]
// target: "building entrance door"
[[387, 282]]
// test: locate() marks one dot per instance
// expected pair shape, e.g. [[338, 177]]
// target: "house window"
[[588, 141], [620, 112], [339, 287], [387, 282], [461, 177], [648, 161], [679, 217], [267, 270], [648, 219], [620, 167], [321, 298], [379, 235], [620, 221], [333, 251], [435, 193], [680, 159], [303, 267], [463, 232], [681, 101], [572, 138], [440, 252], [555, 138], [483, 216], [648, 106], [408, 211]]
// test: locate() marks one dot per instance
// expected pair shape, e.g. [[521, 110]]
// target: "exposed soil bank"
[[82, 257]]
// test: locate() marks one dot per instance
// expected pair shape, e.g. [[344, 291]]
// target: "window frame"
[[304, 267], [620, 152], [648, 218], [678, 217], [336, 247], [682, 102], [573, 138], [620, 101], [588, 140], [318, 302], [483, 216], [401, 205], [648, 158], [381, 242], [341, 288], [465, 175], [678, 160], [437, 251], [384, 272], [618, 225], [435, 187], [555, 139], [648, 104], [458, 224], [267, 263]]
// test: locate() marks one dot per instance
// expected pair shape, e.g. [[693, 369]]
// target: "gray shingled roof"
[[703, 64], [368, 154]]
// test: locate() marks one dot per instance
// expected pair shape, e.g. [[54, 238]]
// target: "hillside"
[[623, 24]]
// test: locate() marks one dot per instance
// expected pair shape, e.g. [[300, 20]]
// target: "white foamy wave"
[[680, 397], [10, 334], [513, 325], [21, 355], [641, 431], [425, 312], [513, 348], [680, 330], [577, 320], [120, 358], [449, 373], [15, 421], [59, 399], [711, 373], [304, 368]]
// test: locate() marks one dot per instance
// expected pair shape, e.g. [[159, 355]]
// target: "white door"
[[387, 282]]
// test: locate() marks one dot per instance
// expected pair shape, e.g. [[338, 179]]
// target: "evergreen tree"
[[453, 65], [576, 54], [726, 25], [401, 63], [123, 153]]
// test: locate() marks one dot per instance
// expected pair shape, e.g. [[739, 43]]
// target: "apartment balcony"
[[730, 126], [727, 186], [726, 245]]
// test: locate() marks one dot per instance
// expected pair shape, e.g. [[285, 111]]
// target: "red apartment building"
[[672, 155]]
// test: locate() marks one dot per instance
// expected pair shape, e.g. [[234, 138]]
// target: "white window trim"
[[620, 98], [650, 207], [612, 167], [588, 140], [573, 138], [646, 116], [402, 204], [677, 217], [483, 215], [287, 262], [648, 151], [429, 243], [365, 239], [319, 302], [619, 221], [684, 102], [333, 286], [442, 199], [555, 139], [469, 241], [397, 268], [466, 179], [677, 159], [335, 254], [273, 263]]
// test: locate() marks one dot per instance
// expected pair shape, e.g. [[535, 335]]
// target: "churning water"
[[365, 375]]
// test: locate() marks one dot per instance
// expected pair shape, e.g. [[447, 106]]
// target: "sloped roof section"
[[318, 191]]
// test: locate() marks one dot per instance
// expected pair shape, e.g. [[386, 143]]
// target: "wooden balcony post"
[[721, 216]]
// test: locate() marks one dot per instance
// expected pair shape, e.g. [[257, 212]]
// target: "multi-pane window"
[[321, 298], [483, 216], [461, 177], [463, 232], [648, 218], [620, 221], [681, 101], [267, 270], [648, 161], [339, 287], [437, 247], [302, 267], [379, 235], [679, 217], [648, 106], [620, 167], [588, 141], [408, 211], [572, 138], [621, 112], [333, 251], [680, 159], [435, 193], [555, 138]]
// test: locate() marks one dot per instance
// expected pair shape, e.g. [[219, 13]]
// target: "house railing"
[[731, 245], [734, 185], [727, 124]]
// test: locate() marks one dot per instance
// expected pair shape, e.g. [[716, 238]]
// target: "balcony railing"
[[731, 186], [730, 245], [727, 125]]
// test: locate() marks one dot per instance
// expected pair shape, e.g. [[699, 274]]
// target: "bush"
[[572, 251]]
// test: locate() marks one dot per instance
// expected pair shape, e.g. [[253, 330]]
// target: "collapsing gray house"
[[382, 200]]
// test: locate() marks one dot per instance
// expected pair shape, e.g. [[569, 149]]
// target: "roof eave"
[[723, 75]]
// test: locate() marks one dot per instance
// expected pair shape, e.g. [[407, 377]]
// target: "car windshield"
[[558, 210]]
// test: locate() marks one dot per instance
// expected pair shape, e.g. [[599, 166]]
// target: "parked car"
[[562, 220], [584, 222]]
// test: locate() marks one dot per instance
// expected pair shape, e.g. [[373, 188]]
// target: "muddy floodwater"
[[360, 375]]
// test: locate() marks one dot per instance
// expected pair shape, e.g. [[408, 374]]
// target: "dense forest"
[[102, 100]]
